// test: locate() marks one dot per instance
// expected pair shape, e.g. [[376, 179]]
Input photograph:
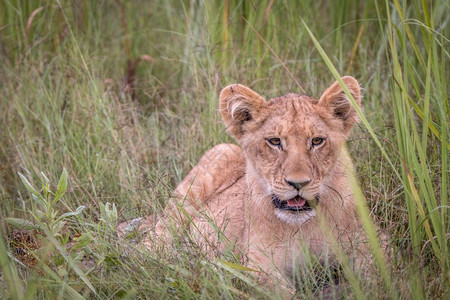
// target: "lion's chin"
[[295, 219]]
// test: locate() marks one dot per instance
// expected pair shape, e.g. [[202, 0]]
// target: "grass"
[[123, 95]]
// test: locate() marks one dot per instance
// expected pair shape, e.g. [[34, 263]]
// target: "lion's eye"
[[274, 141], [317, 141]]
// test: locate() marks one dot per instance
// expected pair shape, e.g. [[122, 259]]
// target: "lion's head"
[[292, 143]]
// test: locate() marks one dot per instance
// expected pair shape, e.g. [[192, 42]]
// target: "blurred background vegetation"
[[123, 95]]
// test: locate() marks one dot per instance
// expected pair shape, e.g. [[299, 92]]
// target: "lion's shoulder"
[[219, 168]]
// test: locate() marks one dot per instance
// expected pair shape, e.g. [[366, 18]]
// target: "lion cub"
[[284, 191]]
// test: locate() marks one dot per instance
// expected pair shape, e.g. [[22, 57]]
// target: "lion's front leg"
[[218, 169], [270, 262]]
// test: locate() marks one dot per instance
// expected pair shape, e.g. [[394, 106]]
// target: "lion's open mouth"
[[296, 204]]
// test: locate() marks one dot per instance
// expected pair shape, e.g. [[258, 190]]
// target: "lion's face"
[[291, 143]]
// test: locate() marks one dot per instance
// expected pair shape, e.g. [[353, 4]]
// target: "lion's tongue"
[[296, 202]]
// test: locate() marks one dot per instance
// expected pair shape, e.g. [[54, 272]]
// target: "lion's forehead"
[[296, 116]]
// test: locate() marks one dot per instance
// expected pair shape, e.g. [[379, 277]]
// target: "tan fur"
[[234, 185]]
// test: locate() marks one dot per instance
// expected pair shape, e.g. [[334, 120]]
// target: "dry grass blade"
[[267, 12], [225, 24], [30, 20], [124, 21], [130, 78]]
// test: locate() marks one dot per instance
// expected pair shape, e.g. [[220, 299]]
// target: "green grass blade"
[[10, 276], [62, 186], [361, 203]]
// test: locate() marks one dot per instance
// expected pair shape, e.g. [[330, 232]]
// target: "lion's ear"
[[240, 108], [337, 102]]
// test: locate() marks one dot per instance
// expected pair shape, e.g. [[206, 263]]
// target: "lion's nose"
[[298, 185]]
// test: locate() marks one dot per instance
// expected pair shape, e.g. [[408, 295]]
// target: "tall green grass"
[[123, 95], [417, 54]]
